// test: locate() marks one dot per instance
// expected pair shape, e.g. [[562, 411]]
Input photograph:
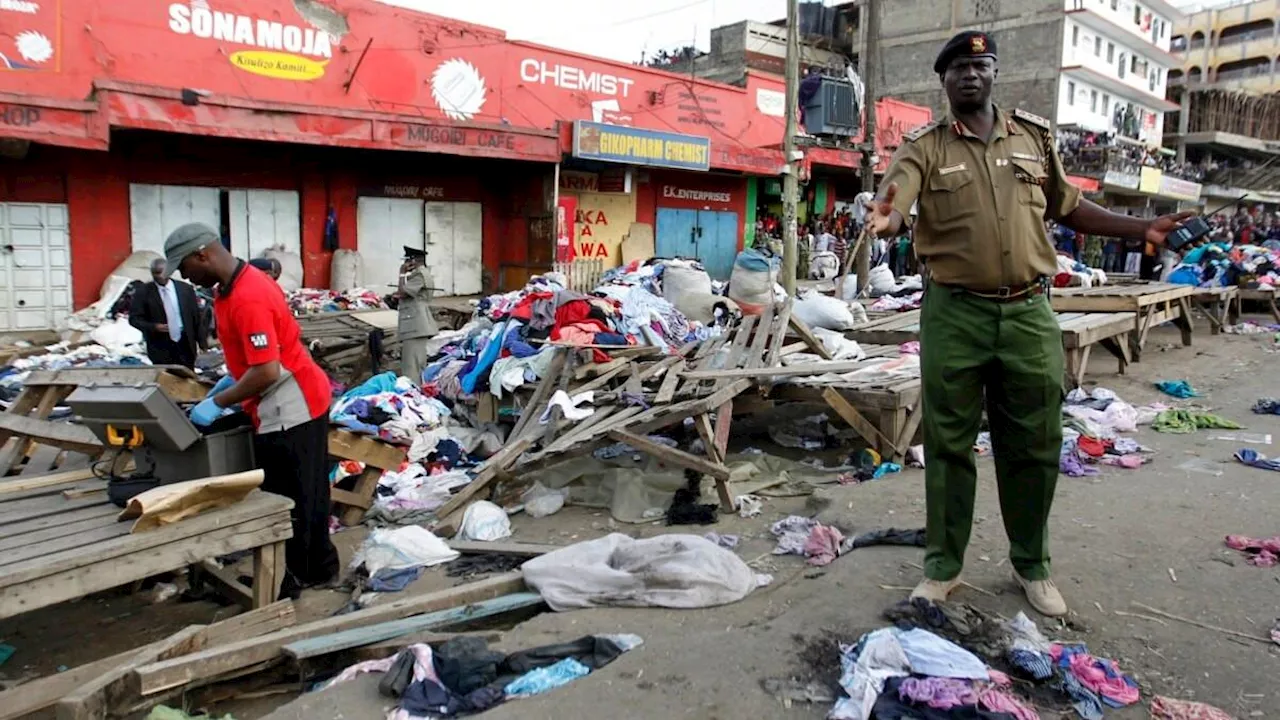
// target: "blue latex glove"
[[205, 412], [226, 382]]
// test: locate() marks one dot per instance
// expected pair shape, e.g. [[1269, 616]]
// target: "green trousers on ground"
[[1010, 354]]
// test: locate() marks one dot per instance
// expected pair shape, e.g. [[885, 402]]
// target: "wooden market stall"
[[1152, 303]]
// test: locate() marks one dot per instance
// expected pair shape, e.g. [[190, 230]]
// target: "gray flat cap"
[[185, 240]]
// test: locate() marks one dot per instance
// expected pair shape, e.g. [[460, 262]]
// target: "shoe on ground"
[[935, 591], [1043, 596]]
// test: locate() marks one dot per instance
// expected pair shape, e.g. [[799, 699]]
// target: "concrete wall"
[[1028, 37]]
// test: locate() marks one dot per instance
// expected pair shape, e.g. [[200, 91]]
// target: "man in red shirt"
[[285, 393]]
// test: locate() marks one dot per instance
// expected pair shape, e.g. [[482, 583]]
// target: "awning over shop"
[[1086, 184]]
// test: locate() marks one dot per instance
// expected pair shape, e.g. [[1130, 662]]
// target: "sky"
[[616, 30]]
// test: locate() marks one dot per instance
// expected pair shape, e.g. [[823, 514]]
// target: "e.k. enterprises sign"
[[614, 143]]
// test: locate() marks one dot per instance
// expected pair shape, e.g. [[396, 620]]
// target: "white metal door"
[[260, 219], [157, 210], [454, 249], [35, 266], [384, 226]]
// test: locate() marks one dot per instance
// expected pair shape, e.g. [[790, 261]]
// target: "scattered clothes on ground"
[[1253, 458], [394, 580], [808, 537], [536, 682], [725, 541], [1275, 632], [823, 544], [1262, 552], [1188, 421], [1166, 708], [1267, 406], [399, 548], [885, 469], [685, 508], [469, 566], [1177, 388], [886, 536], [750, 506], [674, 571], [1099, 675]]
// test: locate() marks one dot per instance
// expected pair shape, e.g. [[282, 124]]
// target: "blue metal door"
[[717, 242], [675, 233]]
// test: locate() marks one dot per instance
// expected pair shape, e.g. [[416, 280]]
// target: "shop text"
[[203, 22], [568, 77], [19, 115], [433, 135], [679, 193]]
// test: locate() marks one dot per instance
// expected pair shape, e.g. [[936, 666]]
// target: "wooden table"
[[1081, 331], [893, 329], [1152, 303], [1262, 294], [1220, 304], [54, 549], [885, 412]]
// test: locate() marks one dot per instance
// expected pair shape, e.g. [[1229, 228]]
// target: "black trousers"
[[295, 464], [163, 351]]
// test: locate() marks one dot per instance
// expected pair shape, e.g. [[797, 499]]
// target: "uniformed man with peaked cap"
[[986, 180]]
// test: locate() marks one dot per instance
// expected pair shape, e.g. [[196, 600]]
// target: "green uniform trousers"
[[1011, 354]]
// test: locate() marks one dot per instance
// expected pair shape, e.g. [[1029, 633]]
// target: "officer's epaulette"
[[1032, 118], [919, 132]]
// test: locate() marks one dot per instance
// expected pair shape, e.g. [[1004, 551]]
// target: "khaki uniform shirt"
[[982, 206]]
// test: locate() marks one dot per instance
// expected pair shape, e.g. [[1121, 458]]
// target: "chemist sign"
[[614, 143]]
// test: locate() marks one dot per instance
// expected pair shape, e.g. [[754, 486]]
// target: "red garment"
[[1093, 447], [523, 310], [1062, 280], [1163, 708], [256, 327], [572, 312]]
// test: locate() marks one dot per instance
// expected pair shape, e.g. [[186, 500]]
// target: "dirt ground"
[[1120, 538]]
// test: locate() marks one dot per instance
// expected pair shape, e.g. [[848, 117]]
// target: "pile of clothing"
[[464, 676], [1218, 264], [892, 303], [1072, 273], [61, 357], [935, 664], [312, 301], [822, 543], [1093, 427]]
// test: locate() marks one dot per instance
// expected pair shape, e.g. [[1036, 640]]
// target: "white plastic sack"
[[485, 522], [346, 272], [541, 501], [290, 267], [820, 311], [135, 267], [824, 266], [672, 571], [680, 279], [702, 306], [880, 281], [840, 347], [116, 336], [400, 548]]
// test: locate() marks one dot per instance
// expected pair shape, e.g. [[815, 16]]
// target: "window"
[[1093, 101], [1075, 35], [1071, 93], [1097, 46], [1115, 4], [1123, 66], [1133, 63], [1111, 52], [1137, 14], [1106, 104]]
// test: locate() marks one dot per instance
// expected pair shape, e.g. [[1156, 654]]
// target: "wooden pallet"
[[1220, 305], [377, 456], [1081, 331], [1152, 303], [33, 444], [894, 329]]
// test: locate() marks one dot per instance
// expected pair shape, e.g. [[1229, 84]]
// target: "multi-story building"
[[1228, 91]]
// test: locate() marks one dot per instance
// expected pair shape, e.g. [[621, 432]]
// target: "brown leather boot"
[[935, 591], [1043, 596]]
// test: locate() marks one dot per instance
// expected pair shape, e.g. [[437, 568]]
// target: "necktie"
[[172, 317]]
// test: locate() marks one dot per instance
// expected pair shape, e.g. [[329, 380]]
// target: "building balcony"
[[1119, 88], [1143, 43]]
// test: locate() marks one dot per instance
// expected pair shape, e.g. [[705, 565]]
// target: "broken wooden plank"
[[470, 547], [780, 336], [17, 485], [755, 354], [845, 409], [111, 692], [671, 456], [211, 663], [809, 338], [818, 368], [546, 386], [66, 435], [670, 381], [488, 472], [362, 448], [369, 634]]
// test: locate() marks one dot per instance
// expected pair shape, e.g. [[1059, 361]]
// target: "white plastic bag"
[[751, 283], [819, 311], [679, 279], [401, 548], [541, 501], [880, 281], [485, 522], [824, 266], [346, 272], [116, 336], [840, 347]]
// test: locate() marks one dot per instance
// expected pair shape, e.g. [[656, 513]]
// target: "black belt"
[[1009, 293]]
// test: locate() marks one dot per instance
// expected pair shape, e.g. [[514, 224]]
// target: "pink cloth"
[[1002, 702], [938, 692], [823, 544], [1163, 708], [1266, 551], [1100, 675]]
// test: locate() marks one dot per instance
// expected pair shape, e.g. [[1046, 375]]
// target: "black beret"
[[969, 43]]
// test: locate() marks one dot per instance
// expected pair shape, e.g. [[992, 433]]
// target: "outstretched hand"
[[1158, 230], [880, 212]]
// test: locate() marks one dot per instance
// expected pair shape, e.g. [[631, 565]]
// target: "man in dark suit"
[[167, 313]]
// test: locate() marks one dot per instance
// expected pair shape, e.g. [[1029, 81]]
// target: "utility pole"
[[870, 63], [790, 179]]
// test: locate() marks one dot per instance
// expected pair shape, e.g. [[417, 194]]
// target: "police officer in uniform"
[[986, 180], [416, 324]]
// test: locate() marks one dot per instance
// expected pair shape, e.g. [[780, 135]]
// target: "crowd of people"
[[1247, 226], [826, 240], [1092, 152]]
